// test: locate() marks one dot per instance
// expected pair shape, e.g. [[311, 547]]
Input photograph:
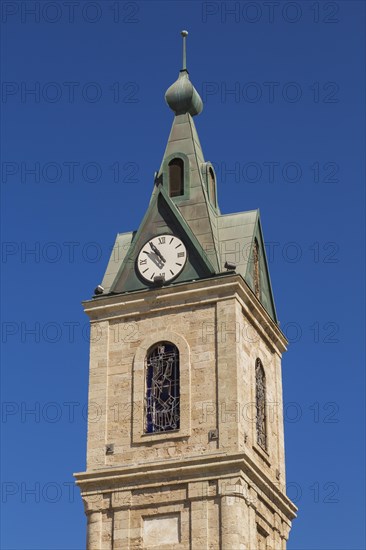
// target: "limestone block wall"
[[221, 514], [209, 484], [218, 345], [253, 343], [208, 382]]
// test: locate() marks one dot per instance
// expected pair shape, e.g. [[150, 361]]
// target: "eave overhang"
[[186, 295], [199, 468]]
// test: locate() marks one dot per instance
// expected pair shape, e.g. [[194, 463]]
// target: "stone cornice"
[[188, 295], [166, 472]]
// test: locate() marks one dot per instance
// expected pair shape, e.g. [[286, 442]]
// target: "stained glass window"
[[162, 388], [260, 398]]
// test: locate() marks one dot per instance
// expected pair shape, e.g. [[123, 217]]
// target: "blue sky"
[[283, 86]]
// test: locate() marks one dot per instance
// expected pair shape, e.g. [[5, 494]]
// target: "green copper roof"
[[211, 239], [182, 97], [237, 234], [194, 205], [162, 217]]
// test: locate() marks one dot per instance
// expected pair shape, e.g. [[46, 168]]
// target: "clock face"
[[164, 255]]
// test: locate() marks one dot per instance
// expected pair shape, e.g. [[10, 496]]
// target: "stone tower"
[[185, 428]]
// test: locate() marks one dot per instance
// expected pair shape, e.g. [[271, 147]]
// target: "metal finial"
[[184, 34]]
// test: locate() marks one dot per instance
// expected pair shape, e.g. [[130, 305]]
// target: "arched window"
[[176, 177], [260, 401], [162, 411], [256, 270], [212, 186]]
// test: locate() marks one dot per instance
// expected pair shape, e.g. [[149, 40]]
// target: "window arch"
[[176, 177], [256, 270], [162, 403], [260, 402], [212, 186]]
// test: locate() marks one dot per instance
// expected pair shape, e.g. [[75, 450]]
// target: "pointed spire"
[[182, 97], [184, 35]]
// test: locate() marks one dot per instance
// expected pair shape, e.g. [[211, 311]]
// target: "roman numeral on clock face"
[[163, 256]]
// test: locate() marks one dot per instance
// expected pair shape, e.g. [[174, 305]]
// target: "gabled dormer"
[[184, 203]]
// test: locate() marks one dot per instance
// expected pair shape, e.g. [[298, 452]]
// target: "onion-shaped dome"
[[182, 97]]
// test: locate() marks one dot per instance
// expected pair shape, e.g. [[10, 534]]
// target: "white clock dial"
[[164, 256]]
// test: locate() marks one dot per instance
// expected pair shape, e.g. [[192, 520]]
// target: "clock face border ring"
[[138, 271]]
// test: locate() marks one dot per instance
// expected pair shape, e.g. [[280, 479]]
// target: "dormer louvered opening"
[[212, 186], [176, 177]]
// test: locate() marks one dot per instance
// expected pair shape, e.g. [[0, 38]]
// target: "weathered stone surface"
[[161, 530], [182, 489]]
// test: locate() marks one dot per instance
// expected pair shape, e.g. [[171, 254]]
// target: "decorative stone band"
[[186, 296], [236, 475]]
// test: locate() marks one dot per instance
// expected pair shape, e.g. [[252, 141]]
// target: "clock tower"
[[185, 423]]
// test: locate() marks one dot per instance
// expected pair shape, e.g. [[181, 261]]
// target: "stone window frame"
[[139, 436], [153, 390]]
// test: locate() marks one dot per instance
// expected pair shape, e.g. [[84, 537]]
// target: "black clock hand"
[[157, 251]]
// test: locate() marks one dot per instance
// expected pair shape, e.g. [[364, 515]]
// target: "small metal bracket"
[[109, 449], [213, 435]]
